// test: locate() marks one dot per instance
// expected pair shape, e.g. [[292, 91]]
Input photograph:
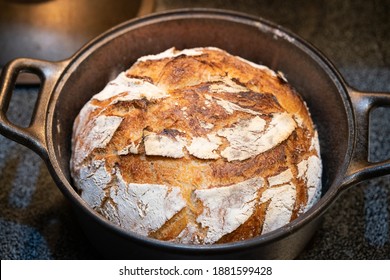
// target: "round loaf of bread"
[[197, 146]]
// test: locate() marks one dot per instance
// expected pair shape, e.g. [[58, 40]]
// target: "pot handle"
[[32, 136], [360, 168]]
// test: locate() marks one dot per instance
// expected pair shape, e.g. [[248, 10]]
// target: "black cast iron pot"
[[340, 113]]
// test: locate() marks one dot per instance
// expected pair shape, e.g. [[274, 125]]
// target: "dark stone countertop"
[[36, 221]]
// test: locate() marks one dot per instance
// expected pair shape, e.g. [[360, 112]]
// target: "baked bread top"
[[197, 146]]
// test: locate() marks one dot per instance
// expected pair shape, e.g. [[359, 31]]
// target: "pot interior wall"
[[117, 51]]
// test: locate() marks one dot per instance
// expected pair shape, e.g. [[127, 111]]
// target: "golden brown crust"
[[207, 94]]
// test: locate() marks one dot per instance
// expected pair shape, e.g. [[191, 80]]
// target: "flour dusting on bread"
[[197, 146]]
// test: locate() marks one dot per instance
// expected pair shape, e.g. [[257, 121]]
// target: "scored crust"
[[197, 146]]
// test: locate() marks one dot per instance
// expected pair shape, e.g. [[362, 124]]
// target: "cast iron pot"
[[340, 113]]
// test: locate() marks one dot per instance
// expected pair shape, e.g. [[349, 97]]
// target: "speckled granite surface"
[[36, 221]]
